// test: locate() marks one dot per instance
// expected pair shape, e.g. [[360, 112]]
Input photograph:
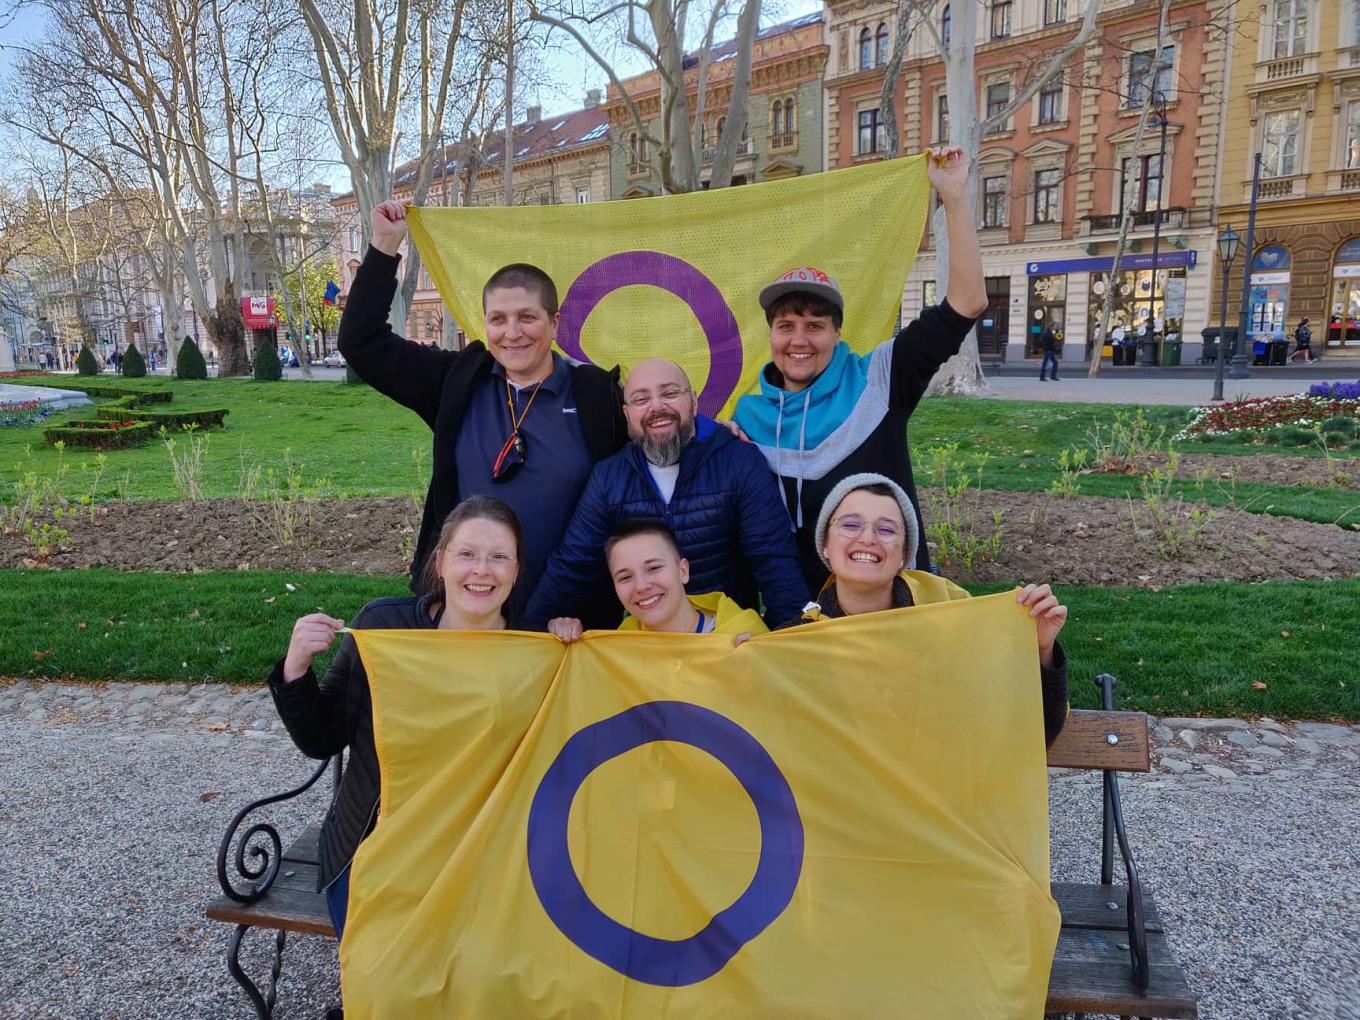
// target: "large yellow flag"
[[678, 277], [844, 820]]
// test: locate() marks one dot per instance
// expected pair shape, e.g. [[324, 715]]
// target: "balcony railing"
[[744, 148], [1286, 67], [1173, 218], [784, 141]]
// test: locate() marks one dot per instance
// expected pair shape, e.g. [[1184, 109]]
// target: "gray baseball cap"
[[804, 278]]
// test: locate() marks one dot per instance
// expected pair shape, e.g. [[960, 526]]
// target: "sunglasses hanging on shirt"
[[511, 457]]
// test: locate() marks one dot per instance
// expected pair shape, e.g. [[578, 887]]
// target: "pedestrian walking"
[[1048, 344], [1303, 337]]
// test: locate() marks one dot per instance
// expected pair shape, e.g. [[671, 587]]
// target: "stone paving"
[[113, 798]]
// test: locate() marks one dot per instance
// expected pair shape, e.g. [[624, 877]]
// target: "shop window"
[[993, 326], [1268, 307], [1343, 322], [1047, 305]]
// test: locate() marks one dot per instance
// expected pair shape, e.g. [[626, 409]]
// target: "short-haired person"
[[650, 578], [512, 419], [714, 492], [867, 537], [824, 412], [467, 579]]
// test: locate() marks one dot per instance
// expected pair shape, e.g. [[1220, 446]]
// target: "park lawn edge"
[[1184, 650]]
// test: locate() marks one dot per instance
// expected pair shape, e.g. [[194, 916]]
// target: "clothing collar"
[[555, 382], [830, 604]]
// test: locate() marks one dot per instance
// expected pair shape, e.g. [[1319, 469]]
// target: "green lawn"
[[1195, 649], [363, 444], [360, 442]]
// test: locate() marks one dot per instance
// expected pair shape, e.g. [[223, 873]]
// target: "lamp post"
[[1227, 251], [1159, 101], [1239, 365]]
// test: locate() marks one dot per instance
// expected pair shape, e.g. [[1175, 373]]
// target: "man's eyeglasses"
[[886, 530], [669, 395]]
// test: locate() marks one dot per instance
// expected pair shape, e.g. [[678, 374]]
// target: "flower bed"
[[22, 413], [1265, 413], [1336, 390], [101, 435]]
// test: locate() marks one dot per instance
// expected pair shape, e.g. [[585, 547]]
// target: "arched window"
[[633, 160], [866, 49], [1271, 259], [788, 120], [946, 24], [881, 45]]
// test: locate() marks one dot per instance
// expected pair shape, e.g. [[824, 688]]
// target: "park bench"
[[1112, 957]]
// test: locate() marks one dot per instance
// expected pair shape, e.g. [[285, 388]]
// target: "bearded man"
[[713, 491]]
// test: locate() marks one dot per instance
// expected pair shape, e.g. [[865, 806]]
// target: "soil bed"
[[1093, 540], [1086, 540], [1273, 469]]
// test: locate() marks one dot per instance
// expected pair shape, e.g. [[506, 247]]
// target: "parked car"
[[334, 360]]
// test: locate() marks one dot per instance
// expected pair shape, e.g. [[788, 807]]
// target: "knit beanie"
[[850, 484]]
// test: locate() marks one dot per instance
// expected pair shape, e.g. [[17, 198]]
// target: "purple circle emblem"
[[657, 269]]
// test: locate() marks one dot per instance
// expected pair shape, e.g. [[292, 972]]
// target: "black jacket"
[[1048, 342], [325, 718], [437, 384]]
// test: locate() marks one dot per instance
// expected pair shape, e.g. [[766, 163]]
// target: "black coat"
[[326, 718], [437, 385]]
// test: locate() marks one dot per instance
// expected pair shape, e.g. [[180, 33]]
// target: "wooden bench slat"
[[1084, 742], [1091, 974], [290, 909], [304, 848], [1084, 905]]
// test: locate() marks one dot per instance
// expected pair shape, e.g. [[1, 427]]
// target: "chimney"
[[592, 99], [534, 113]]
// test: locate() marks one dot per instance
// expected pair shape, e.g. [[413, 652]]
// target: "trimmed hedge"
[[134, 365], [98, 435], [85, 361], [268, 368], [190, 364], [109, 391], [117, 411]]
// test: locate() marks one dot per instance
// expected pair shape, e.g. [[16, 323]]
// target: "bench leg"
[[264, 1004]]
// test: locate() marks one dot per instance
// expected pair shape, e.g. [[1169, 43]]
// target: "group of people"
[[564, 498]]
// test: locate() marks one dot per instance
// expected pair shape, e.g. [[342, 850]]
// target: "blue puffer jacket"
[[725, 511]]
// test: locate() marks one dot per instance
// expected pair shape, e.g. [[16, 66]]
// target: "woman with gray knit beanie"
[[867, 535]]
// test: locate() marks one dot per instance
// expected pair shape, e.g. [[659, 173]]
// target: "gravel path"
[[112, 800]]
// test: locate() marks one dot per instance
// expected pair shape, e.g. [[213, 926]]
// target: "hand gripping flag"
[[848, 819], [678, 277]]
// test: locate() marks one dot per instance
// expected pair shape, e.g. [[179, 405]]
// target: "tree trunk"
[[227, 329]]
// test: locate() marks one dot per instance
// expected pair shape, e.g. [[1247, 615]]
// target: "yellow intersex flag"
[[844, 820], [678, 276]]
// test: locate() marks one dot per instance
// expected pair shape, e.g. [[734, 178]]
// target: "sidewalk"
[[1187, 384]]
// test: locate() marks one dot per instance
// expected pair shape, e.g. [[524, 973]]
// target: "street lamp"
[[1159, 101], [1227, 251]]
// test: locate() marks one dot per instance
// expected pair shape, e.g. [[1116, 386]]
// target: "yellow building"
[[1295, 98]]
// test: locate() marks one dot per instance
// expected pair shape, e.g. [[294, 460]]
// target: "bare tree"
[[657, 29], [376, 63], [962, 374]]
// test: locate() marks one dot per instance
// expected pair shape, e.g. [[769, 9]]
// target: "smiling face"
[[649, 579], [478, 567], [874, 555], [658, 402], [801, 345], [520, 333]]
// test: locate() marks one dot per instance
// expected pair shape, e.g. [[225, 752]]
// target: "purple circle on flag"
[[666, 962], [657, 269]]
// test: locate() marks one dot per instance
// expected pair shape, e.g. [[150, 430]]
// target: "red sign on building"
[[258, 312]]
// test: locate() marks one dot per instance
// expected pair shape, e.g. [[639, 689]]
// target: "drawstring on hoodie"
[[797, 514]]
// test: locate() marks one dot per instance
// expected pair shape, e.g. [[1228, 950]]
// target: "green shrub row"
[[208, 419], [107, 391], [96, 435]]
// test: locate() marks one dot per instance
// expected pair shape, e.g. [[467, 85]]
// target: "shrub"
[[268, 368], [134, 365], [100, 435], [1340, 426], [1294, 435], [190, 363], [85, 361]]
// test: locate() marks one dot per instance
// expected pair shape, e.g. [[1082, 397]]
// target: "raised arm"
[[966, 292], [412, 374]]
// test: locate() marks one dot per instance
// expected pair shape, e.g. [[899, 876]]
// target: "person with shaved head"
[[714, 492]]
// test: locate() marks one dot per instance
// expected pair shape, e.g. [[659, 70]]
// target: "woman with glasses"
[[867, 537], [464, 586]]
